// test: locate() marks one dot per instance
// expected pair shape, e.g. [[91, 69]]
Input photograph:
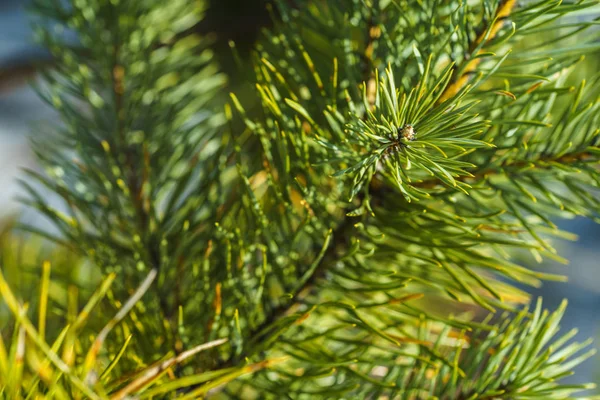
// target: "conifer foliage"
[[362, 227]]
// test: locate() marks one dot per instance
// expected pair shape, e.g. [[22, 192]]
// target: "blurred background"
[[241, 21]]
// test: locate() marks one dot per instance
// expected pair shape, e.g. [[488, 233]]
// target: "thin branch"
[[373, 33], [129, 304], [459, 81], [565, 159], [339, 241], [152, 372]]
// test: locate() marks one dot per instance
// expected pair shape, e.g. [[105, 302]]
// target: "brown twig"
[[154, 371], [459, 81], [566, 159]]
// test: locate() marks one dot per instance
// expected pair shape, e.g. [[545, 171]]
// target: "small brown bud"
[[407, 132]]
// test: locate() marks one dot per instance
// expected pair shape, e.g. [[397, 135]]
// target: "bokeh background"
[[241, 21]]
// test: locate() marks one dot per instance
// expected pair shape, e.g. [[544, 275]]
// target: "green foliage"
[[508, 359], [338, 234], [30, 367], [129, 160]]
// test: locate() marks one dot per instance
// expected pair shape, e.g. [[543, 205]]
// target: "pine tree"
[[360, 229]]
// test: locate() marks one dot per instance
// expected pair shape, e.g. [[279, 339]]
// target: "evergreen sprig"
[[327, 232], [410, 137], [128, 161]]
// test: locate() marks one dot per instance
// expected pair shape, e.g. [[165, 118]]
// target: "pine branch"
[[160, 192], [378, 189], [135, 185], [340, 235], [134, 111]]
